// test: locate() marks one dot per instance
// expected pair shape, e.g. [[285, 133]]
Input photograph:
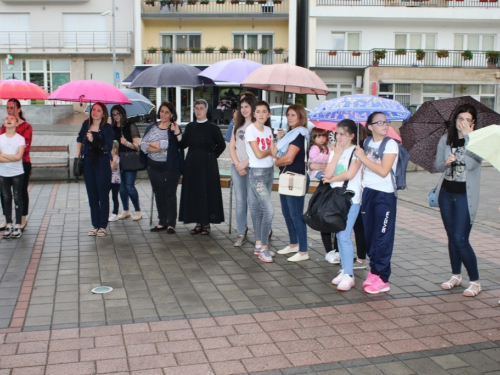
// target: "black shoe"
[[171, 230], [157, 229]]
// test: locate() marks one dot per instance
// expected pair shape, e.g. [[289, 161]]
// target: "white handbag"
[[294, 183]]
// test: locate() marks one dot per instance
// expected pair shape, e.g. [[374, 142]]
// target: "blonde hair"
[[116, 146]]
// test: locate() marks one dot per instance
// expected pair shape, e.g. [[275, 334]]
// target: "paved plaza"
[[186, 304]]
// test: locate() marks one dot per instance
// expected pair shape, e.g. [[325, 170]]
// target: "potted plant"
[[236, 49], [235, 1], [150, 2], [195, 49], [223, 49], [262, 1], [420, 54], [400, 52], [152, 49], [250, 50], [192, 2], [209, 49], [356, 53], [204, 2], [220, 1], [378, 54], [278, 50], [467, 55], [250, 2], [332, 53], [263, 50], [166, 49], [181, 49], [492, 58], [442, 53], [277, 1]]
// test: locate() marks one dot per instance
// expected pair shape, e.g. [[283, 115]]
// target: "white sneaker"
[[298, 257], [113, 218], [265, 256], [330, 256], [336, 258], [346, 284], [338, 278], [288, 250], [137, 216], [123, 215]]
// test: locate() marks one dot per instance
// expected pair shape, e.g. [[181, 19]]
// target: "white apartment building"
[[409, 50]]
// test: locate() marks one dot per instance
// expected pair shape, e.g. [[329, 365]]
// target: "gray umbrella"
[[169, 75]]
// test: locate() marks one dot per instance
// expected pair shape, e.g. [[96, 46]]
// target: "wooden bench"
[[61, 162]]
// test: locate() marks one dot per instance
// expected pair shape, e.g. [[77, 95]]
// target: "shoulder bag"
[[133, 160], [78, 161], [294, 183]]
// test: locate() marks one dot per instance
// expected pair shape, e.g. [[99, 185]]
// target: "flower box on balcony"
[[400, 52], [166, 49], [220, 1], [152, 49], [236, 49], [467, 55], [223, 49], [263, 50], [379, 54], [192, 2], [278, 50], [181, 50], [442, 53], [150, 2], [492, 58], [235, 1], [250, 2], [262, 1], [195, 49], [209, 49], [204, 2], [250, 50], [332, 53], [420, 54], [356, 53], [277, 1]]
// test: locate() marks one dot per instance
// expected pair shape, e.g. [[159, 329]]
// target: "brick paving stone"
[[425, 366], [23, 360], [69, 356], [111, 365], [80, 368], [151, 362], [394, 368], [249, 339], [188, 370], [102, 353], [37, 370], [228, 368], [71, 344], [265, 363], [178, 346], [449, 361]]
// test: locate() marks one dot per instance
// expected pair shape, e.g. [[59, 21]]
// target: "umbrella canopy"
[[286, 78], [168, 75], [89, 91], [485, 142], [423, 130], [333, 126], [140, 105], [358, 108], [234, 70], [21, 90]]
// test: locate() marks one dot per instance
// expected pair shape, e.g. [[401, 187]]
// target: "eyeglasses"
[[381, 123]]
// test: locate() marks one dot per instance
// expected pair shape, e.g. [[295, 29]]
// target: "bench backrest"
[[49, 148]]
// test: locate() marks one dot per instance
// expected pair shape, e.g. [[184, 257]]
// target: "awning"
[[137, 70]]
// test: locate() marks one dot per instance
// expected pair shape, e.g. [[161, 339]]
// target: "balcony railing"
[[412, 3], [429, 58], [205, 58], [81, 41], [213, 8]]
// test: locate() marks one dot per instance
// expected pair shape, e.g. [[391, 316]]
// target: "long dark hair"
[[105, 114], [265, 104], [369, 120], [123, 115], [17, 104], [350, 127], [240, 120], [171, 108], [452, 130]]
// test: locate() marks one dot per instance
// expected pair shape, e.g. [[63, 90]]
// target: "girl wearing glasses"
[[378, 208], [458, 192]]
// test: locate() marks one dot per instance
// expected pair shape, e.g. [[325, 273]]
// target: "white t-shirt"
[[264, 140], [10, 146], [372, 180], [343, 166]]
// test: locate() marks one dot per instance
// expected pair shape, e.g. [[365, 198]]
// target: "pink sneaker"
[[370, 279], [378, 286]]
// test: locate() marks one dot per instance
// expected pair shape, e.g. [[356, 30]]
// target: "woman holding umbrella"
[[129, 138], [96, 137], [458, 192], [201, 197]]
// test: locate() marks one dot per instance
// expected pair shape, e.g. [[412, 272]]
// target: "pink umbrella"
[[286, 78], [333, 126], [22, 90], [89, 91]]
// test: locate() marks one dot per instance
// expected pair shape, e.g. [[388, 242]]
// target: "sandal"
[[101, 232], [197, 229], [92, 232], [450, 285], [206, 230], [469, 292]]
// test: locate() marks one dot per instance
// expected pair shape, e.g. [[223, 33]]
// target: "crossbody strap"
[[346, 182]]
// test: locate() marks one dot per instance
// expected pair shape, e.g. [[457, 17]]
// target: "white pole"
[[114, 41]]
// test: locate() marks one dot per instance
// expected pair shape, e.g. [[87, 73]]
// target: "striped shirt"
[[154, 135]]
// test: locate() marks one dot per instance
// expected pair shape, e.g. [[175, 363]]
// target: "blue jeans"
[[128, 190], [346, 249], [456, 220], [293, 209], [240, 197], [260, 185]]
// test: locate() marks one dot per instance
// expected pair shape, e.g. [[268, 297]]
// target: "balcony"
[[205, 58], [411, 58], [413, 3], [65, 42], [214, 8]]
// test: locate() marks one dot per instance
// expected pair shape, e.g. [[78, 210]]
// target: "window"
[[338, 90], [474, 42], [85, 29], [346, 41], [13, 29], [484, 93], [437, 89], [255, 41], [181, 40], [397, 91], [415, 41]]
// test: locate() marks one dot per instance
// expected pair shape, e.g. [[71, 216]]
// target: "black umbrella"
[[422, 132], [170, 75]]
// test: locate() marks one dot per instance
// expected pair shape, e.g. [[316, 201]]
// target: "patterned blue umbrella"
[[358, 108]]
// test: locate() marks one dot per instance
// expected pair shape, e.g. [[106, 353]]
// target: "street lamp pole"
[[114, 41]]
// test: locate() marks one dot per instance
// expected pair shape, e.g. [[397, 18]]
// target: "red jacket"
[[26, 131]]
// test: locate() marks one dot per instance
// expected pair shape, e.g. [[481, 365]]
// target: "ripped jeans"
[[260, 185]]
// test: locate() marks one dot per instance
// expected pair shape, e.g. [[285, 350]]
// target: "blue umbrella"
[[358, 108], [234, 70], [140, 104]]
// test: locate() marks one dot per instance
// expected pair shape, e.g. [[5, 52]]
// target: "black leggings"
[[25, 196], [359, 235], [115, 189], [9, 184]]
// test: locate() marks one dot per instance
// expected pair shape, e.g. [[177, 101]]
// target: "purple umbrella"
[[235, 70]]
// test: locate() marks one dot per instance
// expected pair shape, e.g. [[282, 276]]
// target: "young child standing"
[[318, 153], [115, 181], [12, 175]]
